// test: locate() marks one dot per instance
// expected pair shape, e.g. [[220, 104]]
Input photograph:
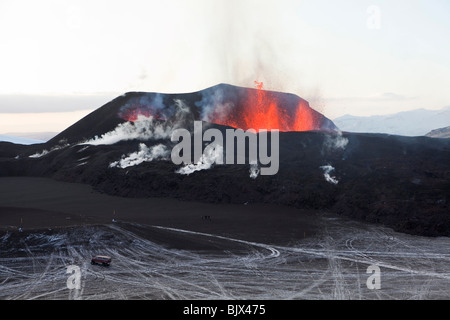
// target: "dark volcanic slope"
[[401, 182]]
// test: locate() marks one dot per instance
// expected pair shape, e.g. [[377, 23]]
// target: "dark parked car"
[[103, 260]]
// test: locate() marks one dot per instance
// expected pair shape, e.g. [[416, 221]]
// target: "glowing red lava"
[[242, 108], [261, 110], [131, 113]]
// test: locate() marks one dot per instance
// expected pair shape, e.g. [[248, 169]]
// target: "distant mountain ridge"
[[417, 122], [439, 133], [40, 136], [19, 140]]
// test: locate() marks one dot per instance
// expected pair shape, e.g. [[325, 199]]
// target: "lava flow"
[[262, 110]]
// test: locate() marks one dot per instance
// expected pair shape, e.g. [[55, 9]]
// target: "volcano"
[[223, 104], [123, 149]]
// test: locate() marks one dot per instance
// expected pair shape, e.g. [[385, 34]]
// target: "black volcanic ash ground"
[[400, 182]]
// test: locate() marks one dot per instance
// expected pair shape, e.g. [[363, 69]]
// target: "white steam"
[[208, 158], [39, 154], [145, 154], [335, 142], [144, 128], [326, 173], [45, 151], [254, 170]]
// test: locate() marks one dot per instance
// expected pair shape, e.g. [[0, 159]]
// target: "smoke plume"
[[335, 142], [254, 170], [213, 106], [326, 173], [63, 144], [209, 157], [145, 154], [143, 129]]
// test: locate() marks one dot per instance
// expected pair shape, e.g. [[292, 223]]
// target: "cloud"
[[379, 97], [34, 103], [393, 96], [11, 123]]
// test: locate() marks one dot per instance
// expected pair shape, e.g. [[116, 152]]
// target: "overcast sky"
[[60, 60]]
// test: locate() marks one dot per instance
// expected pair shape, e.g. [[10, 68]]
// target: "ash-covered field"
[[330, 265]]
